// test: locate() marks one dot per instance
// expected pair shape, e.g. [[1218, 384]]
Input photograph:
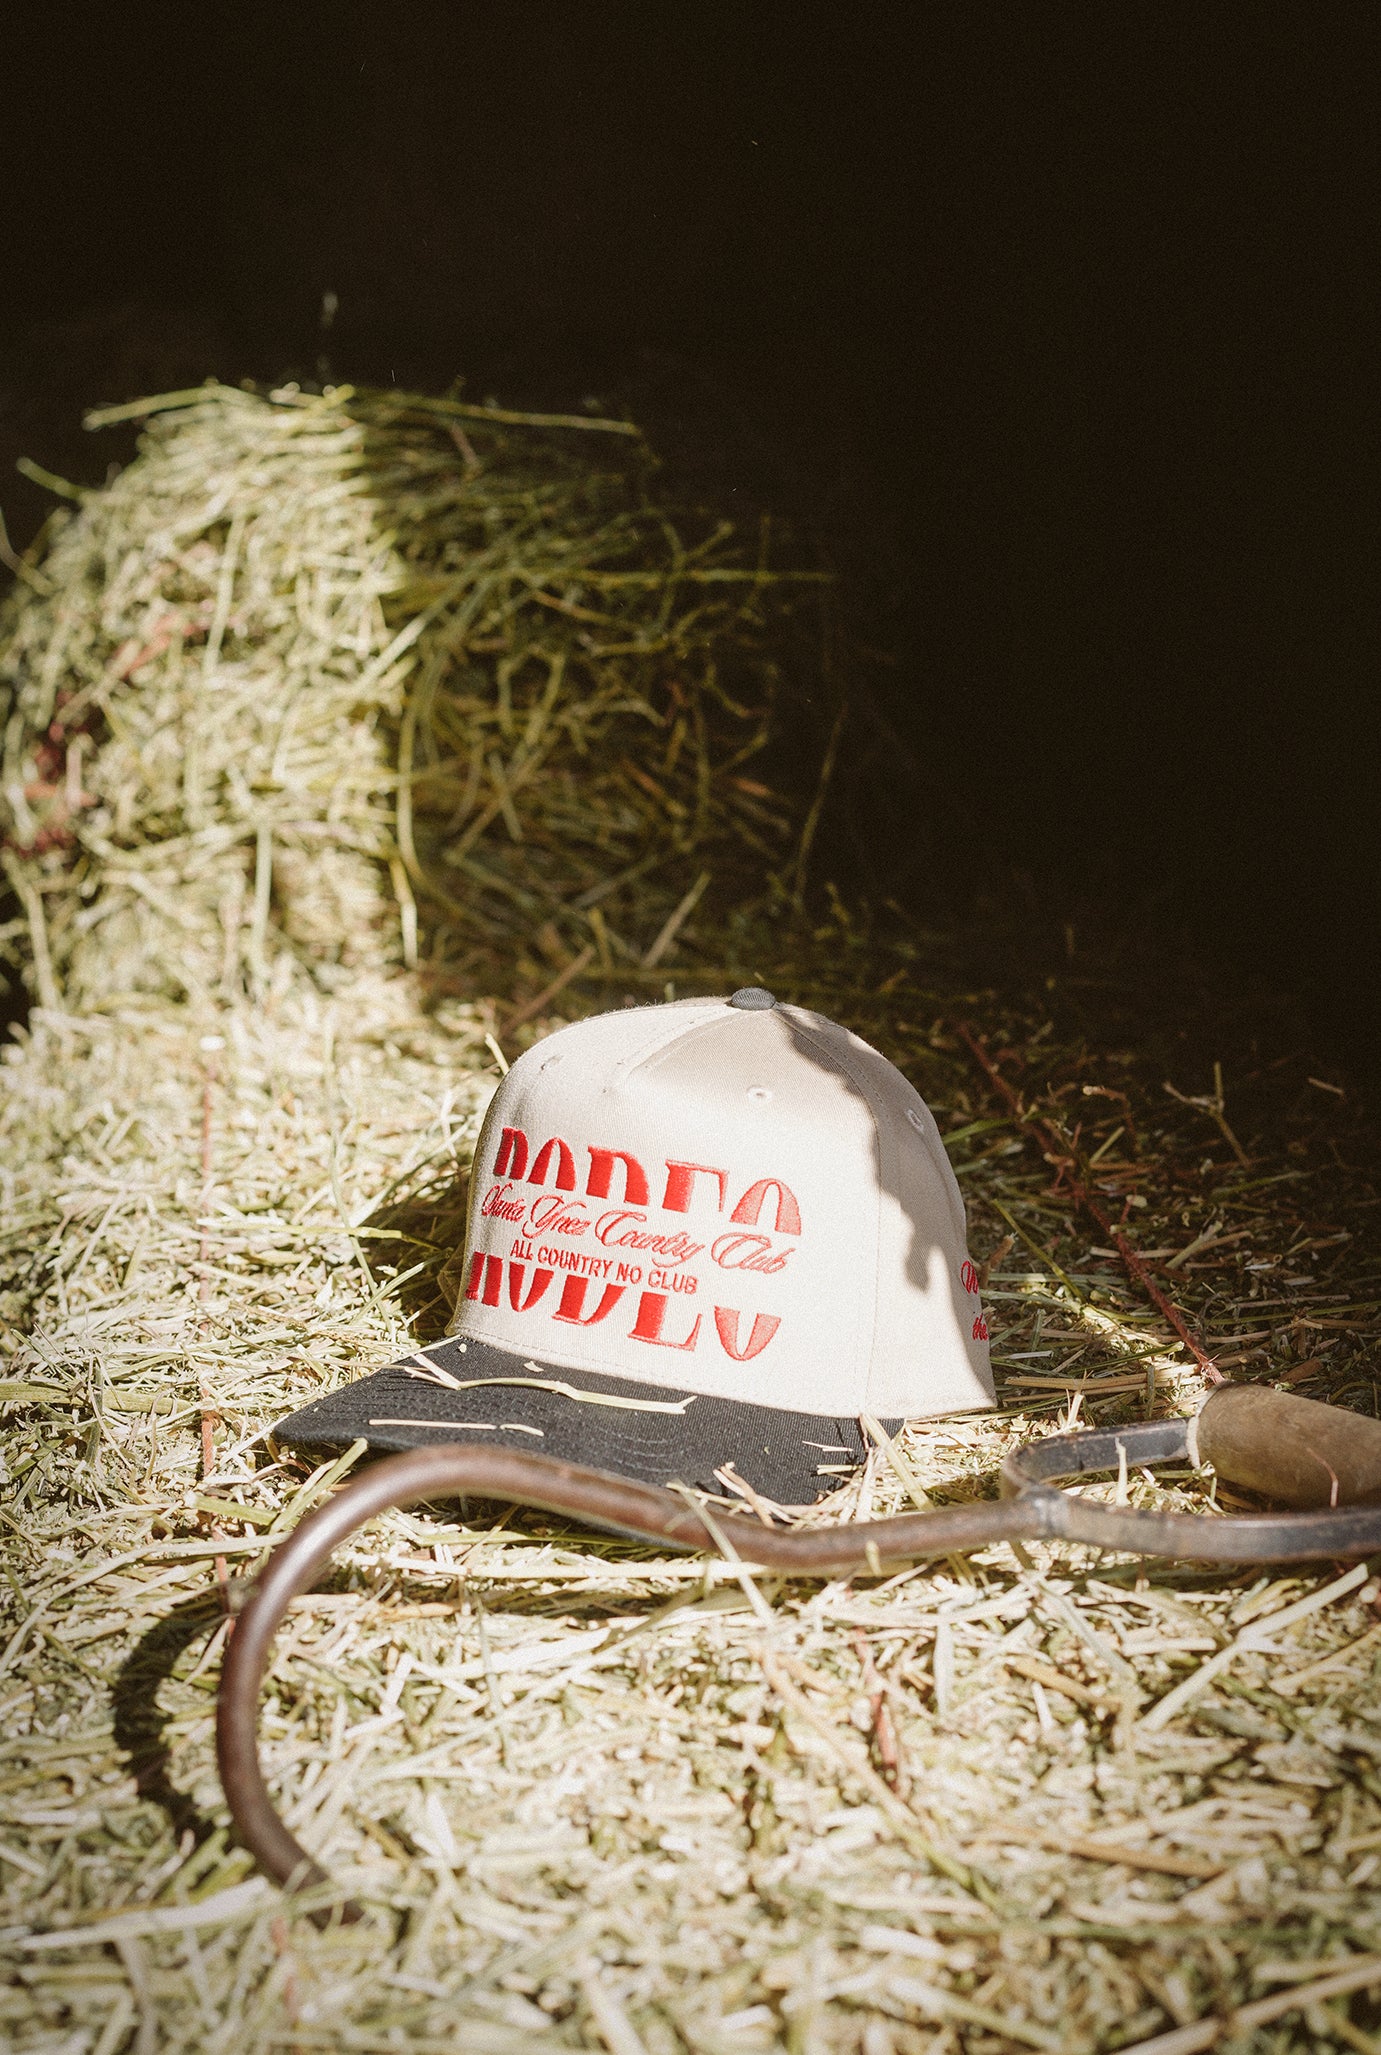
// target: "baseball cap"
[[714, 1233]]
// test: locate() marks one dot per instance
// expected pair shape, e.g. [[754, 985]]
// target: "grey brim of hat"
[[470, 1391]]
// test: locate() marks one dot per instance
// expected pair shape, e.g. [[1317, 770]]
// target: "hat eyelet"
[[914, 1117], [759, 1094]]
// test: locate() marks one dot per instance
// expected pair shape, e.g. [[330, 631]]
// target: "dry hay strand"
[[367, 678], [592, 1796]]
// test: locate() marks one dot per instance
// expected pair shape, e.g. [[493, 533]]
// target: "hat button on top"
[[752, 999]]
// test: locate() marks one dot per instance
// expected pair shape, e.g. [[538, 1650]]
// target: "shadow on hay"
[[412, 1238], [140, 1721]]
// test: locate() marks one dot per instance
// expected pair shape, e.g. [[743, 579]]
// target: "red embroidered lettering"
[[491, 1269], [968, 1277], [980, 1328], [726, 1321], [620, 1231], [550, 1215], [572, 1307], [652, 1311], [602, 1163], [681, 1185], [673, 1281], [748, 1252], [540, 1280], [540, 1172], [512, 1154], [749, 1207]]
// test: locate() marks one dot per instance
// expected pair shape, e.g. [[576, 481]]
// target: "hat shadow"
[[413, 1237], [922, 1245]]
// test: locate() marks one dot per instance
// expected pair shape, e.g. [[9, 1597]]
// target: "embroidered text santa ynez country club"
[[618, 1233]]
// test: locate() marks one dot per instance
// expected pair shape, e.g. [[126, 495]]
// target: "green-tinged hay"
[[581, 1787], [367, 678], [592, 1797]]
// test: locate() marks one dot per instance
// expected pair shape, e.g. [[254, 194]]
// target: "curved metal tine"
[[1096, 1448]]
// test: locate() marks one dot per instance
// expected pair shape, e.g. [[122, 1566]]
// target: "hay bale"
[[588, 1794], [364, 678]]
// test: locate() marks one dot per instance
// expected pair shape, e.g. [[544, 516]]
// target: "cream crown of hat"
[[730, 1197]]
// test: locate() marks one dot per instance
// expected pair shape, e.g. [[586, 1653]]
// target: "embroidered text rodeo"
[[624, 1228]]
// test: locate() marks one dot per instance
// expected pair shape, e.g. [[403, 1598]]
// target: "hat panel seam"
[[676, 1034], [650, 1058]]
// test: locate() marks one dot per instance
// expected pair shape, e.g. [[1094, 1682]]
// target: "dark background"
[[1058, 325]]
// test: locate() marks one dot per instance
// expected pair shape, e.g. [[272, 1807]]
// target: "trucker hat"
[[719, 1232]]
